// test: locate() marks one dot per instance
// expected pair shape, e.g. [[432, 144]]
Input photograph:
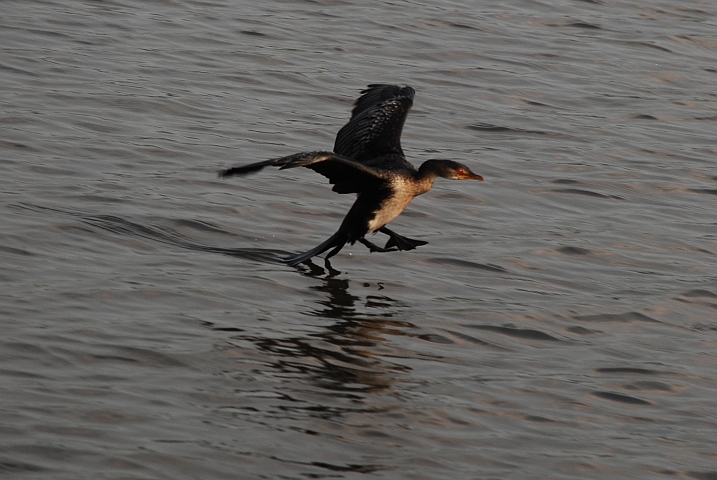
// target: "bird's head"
[[448, 169]]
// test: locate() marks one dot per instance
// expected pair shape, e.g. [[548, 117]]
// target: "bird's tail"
[[335, 241]]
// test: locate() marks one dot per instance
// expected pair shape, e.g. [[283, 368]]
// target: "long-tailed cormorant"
[[368, 160]]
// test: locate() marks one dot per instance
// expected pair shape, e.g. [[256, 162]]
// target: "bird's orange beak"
[[470, 176]]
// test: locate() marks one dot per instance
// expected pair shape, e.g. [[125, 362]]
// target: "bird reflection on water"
[[349, 355]]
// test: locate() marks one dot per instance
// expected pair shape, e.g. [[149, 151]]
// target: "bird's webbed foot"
[[399, 242], [332, 271], [375, 248]]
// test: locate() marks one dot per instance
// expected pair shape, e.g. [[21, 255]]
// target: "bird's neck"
[[430, 170], [426, 175]]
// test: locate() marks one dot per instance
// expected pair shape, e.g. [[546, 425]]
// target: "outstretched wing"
[[376, 123], [346, 175]]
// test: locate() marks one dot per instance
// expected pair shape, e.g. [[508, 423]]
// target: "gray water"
[[561, 323]]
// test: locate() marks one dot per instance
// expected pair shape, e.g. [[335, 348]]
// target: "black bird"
[[368, 160]]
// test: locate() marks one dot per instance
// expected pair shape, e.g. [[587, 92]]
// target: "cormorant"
[[368, 160]]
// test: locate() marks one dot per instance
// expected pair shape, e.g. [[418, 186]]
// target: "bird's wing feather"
[[373, 95], [251, 168], [346, 175], [376, 123]]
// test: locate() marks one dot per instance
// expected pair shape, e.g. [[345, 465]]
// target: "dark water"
[[561, 323]]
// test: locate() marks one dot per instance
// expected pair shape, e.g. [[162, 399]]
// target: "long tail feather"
[[335, 241]]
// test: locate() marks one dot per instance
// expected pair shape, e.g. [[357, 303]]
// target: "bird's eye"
[[461, 171]]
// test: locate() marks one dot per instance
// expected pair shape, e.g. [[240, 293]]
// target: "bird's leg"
[[373, 247], [399, 242], [334, 251], [332, 271]]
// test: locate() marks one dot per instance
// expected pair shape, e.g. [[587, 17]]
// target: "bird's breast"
[[402, 193]]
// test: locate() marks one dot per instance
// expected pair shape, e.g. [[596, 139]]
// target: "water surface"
[[561, 322]]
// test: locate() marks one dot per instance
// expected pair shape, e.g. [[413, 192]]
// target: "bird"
[[368, 160]]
